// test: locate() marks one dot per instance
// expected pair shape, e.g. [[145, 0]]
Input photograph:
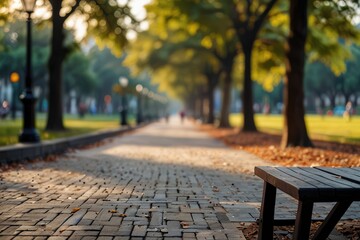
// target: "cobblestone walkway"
[[166, 181]]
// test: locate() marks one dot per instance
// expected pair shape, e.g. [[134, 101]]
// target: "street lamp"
[[146, 105], [14, 79], [123, 111], [139, 117], [29, 133]]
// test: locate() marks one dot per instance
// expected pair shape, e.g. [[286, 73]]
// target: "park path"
[[165, 181]]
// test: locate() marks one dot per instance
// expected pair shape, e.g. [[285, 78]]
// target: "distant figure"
[[266, 108], [82, 110], [166, 117], [182, 116], [348, 110]]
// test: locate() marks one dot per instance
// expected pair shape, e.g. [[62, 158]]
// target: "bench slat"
[[326, 189], [308, 185], [331, 178], [344, 188], [285, 182], [322, 181], [313, 184], [350, 174]]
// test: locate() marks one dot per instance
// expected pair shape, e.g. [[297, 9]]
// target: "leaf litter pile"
[[267, 147]]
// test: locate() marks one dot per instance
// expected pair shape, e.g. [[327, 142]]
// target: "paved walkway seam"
[[22, 152]]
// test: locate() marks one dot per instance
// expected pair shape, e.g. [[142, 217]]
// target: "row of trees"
[[106, 21], [322, 86], [89, 71], [321, 82], [80, 73], [192, 45]]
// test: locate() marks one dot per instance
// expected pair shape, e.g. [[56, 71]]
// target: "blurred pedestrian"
[[182, 116], [167, 117], [348, 110]]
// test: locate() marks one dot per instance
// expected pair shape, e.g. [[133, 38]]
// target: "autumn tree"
[[294, 132], [174, 37], [248, 17], [336, 21], [106, 20]]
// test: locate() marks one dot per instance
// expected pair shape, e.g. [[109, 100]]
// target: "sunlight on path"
[[165, 180], [176, 143]]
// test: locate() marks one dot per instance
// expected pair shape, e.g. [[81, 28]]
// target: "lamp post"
[[123, 111], [145, 92], [14, 79], [29, 133], [139, 117]]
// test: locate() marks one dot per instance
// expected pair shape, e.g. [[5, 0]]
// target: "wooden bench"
[[308, 185]]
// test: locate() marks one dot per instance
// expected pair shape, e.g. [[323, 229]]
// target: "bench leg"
[[331, 220], [266, 226], [303, 220]]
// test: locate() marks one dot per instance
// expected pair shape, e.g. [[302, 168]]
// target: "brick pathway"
[[166, 181]]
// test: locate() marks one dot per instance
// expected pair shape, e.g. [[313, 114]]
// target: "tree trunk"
[[332, 100], [190, 107], [225, 104], [198, 105], [347, 97], [248, 111], [210, 93], [55, 114], [201, 105], [355, 103], [295, 133]]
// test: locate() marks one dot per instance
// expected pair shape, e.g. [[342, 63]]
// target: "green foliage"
[[319, 79], [331, 32], [12, 58], [351, 77], [108, 22], [78, 75], [168, 49], [107, 69], [179, 50]]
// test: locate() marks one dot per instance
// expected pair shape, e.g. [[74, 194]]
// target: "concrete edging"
[[22, 152]]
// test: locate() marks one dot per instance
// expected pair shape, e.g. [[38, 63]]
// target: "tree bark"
[[247, 95], [210, 92], [199, 104], [247, 32], [212, 80], [55, 113], [332, 97], [295, 132], [226, 96]]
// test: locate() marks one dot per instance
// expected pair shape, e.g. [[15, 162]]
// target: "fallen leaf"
[[74, 210], [184, 225]]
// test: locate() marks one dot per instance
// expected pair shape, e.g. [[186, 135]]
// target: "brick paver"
[[166, 181]]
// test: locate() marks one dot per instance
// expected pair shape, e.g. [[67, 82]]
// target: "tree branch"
[[263, 15]]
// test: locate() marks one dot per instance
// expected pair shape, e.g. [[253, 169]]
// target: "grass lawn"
[[329, 128], [10, 129]]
